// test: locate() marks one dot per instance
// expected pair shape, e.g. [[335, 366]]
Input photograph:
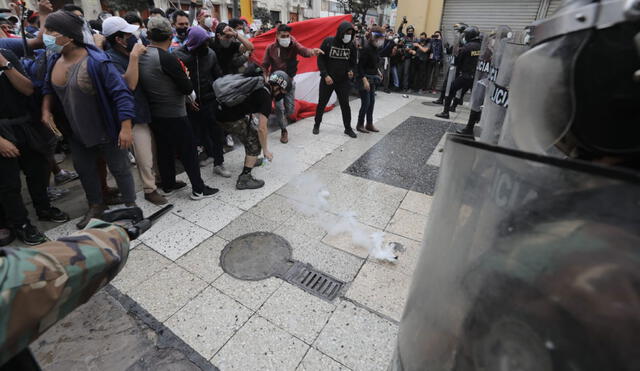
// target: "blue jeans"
[[395, 77], [368, 102]]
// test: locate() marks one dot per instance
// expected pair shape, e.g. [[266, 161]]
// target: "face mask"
[[346, 39], [181, 32], [50, 44], [410, 34], [208, 22], [225, 43], [285, 42], [131, 42], [241, 33]]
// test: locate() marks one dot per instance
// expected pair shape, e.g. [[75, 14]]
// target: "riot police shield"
[[451, 73], [529, 263], [497, 95]]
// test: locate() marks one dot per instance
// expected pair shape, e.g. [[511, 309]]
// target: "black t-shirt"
[[225, 55], [13, 103], [258, 102]]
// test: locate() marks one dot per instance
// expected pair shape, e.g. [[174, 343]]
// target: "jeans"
[[207, 131], [175, 135], [368, 102], [283, 109], [394, 75], [342, 89], [34, 165], [85, 161]]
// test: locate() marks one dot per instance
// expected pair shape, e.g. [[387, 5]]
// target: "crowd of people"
[[178, 85]]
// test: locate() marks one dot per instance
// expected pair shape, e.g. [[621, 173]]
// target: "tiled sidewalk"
[[174, 272]]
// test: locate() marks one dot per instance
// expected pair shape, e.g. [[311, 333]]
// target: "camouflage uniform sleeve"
[[40, 286]]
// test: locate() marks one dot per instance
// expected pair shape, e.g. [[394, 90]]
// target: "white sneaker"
[[132, 158], [230, 141], [222, 171]]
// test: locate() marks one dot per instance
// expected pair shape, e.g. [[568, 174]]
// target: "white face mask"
[[241, 33], [346, 39], [284, 42], [208, 22]]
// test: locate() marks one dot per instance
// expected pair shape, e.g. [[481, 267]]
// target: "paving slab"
[[208, 321], [204, 260], [416, 202], [260, 345], [214, 216], [173, 236], [358, 338], [165, 292], [297, 312], [316, 361], [381, 289], [244, 224], [251, 294], [408, 224], [142, 263], [275, 207]]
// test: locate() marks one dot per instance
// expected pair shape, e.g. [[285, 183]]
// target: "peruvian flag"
[[310, 34]]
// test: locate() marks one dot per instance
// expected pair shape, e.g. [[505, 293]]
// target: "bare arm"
[[15, 75], [44, 8], [132, 74], [263, 132], [247, 46]]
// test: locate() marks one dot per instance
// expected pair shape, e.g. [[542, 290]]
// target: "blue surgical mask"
[[50, 44]]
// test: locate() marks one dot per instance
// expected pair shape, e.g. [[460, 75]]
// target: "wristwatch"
[[7, 66]]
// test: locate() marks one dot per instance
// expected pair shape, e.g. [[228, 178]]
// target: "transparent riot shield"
[[497, 95], [451, 73], [481, 80], [529, 263]]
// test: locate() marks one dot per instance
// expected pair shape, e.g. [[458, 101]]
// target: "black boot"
[[443, 115], [316, 129]]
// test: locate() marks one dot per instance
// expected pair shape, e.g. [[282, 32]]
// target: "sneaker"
[[168, 191], [351, 133], [206, 162], [229, 140], [30, 235], [222, 171], [6, 236], [452, 109], [52, 214], [247, 181], [155, 198], [443, 115], [65, 176], [208, 192], [316, 129], [95, 211], [56, 193], [284, 137], [132, 158], [439, 101]]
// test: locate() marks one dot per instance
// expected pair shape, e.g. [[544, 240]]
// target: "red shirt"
[[277, 58]]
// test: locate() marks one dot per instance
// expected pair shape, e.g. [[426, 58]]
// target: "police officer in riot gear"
[[465, 62], [452, 53]]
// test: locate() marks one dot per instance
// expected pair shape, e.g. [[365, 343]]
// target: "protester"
[[207, 22], [421, 64], [157, 12], [282, 55], [410, 52], [125, 51], [337, 65], [368, 77], [234, 119], [98, 104], [229, 45], [204, 69], [166, 83], [16, 45], [180, 22], [20, 150], [435, 61]]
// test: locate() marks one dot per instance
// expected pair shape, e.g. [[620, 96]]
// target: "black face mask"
[[181, 32], [410, 34]]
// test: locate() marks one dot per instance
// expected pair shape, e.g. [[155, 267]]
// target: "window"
[[275, 16]]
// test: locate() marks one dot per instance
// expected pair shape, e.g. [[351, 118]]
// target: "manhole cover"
[[257, 256]]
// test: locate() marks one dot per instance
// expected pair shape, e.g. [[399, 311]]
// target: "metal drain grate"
[[314, 282]]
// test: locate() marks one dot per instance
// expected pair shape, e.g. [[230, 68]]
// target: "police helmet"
[[577, 88], [281, 79], [460, 27], [471, 33]]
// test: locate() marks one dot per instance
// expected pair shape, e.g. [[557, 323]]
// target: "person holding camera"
[[369, 76], [434, 66], [409, 53]]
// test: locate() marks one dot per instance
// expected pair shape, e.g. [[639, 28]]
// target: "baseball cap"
[[112, 25], [161, 24]]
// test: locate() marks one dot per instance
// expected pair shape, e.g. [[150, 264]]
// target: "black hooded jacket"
[[339, 58]]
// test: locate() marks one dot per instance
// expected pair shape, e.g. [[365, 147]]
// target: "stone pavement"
[[173, 286]]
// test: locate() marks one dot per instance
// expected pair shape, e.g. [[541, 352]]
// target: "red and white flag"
[[310, 34]]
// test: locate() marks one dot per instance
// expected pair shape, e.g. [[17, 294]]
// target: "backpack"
[[232, 90]]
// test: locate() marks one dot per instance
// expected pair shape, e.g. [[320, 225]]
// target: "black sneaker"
[[30, 235], [439, 101], [247, 181], [53, 214], [351, 133], [316, 129], [168, 191], [6, 236], [443, 115], [208, 192], [452, 109]]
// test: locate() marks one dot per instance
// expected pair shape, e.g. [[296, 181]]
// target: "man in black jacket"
[[466, 62], [337, 66], [204, 69]]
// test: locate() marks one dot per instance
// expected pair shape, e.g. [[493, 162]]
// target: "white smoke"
[[313, 195]]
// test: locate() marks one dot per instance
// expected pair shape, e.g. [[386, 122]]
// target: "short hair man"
[[180, 22], [229, 45], [166, 83], [282, 55]]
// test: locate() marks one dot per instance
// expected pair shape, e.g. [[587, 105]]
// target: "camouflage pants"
[[246, 133]]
